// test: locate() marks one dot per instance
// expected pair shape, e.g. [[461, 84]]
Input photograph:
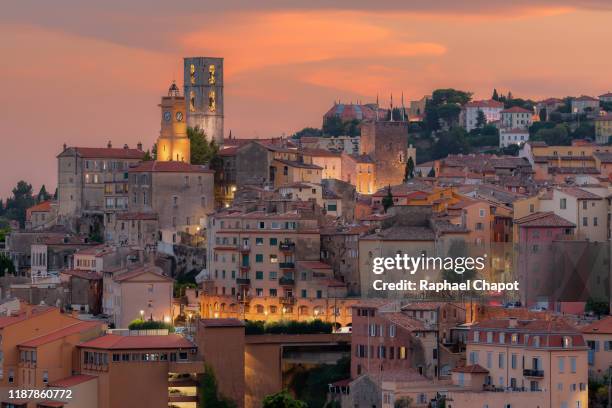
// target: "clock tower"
[[173, 143], [204, 95]]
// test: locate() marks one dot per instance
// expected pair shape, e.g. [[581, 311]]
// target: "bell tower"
[[204, 95], [173, 143]]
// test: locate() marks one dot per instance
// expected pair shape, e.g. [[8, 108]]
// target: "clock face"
[[167, 116], [179, 116]]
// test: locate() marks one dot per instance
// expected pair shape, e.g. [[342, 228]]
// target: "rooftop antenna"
[[377, 106], [403, 109], [391, 106]]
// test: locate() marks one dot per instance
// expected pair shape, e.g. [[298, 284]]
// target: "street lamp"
[[142, 315]]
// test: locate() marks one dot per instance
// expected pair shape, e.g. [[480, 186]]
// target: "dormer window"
[[476, 336], [567, 342]]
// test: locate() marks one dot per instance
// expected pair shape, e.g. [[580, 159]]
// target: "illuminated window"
[[211, 75], [212, 104], [192, 101], [192, 77]]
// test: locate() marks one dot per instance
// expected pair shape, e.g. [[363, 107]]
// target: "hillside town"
[[203, 269]]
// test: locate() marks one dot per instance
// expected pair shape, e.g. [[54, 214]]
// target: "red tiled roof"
[[603, 326], [485, 104], [58, 334], [299, 164], [586, 98], [109, 153], [228, 151], [516, 109], [82, 274], [44, 206], [72, 381], [319, 153], [139, 271], [606, 95], [37, 310], [169, 167], [544, 219], [228, 322], [580, 194], [115, 342], [471, 369]]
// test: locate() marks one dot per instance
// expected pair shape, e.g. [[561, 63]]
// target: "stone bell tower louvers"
[[204, 95]]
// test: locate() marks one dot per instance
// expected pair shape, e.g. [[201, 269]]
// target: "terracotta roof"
[[82, 274], [228, 322], [551, 101], [586, 98], [411, 189], [516, 109], [544, 219], [556, 326], [61, 333], [603, 326], [115, 342], [155, 270], [37, 310], [319, 153], [98, 250], [299, 164], [107, 153], [228, 151], [405, 321], [45, 206], [573, 170], [143, 216], [402, 233], [471, 369], [606, 95], [72, 381], [169, 167], [484, 104], [580, 194]]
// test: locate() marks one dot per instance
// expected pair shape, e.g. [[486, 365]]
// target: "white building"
[[516, 118], [508, 137], [490, 108], [584, 104]]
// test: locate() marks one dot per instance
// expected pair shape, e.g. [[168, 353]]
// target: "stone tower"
[[173, 143], [387, 145], [204, 95]]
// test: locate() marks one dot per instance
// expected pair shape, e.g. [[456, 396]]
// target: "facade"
[[603, 129], [173, 143], [509, 137], [585, 104], [516, 118], [138, 293], [204, 95], [386, 143], [545, 360], [598, 337], [181, 194], [41, 215], [470, 111], [94, 180]]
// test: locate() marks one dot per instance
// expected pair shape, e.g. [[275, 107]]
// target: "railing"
[[533, 373], [286, 281], [243, 298], [287, 300], [244, 248], [286, 265], [286, 246], [243, 281]]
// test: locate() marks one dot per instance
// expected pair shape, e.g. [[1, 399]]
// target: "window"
[[501, 360], [273, 275], [489, 337], [259, 275], [594, 221], [481, 212], [489, 359], [392, 330], [561, 364], [513, 361], [563, 203], [259, 241], [259, 258], [45, 377], [585, 222], [273, 241], [573, 365]]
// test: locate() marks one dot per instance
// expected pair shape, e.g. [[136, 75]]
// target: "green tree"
[[597, 306], [557, 136], [6, 265], [311, 384], [495, 96], [202, 151], [333, 126], [208, 391], [139, 324], [404, 402], [453, 141], [308, 132], [542, 115], [42, 195], [481, 120], [147, 156], [21, 200], [409, 173], [387, 201], [282, 400]]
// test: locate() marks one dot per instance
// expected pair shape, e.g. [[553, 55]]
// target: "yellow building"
[[598, 336], [173, 143], [603, 128]]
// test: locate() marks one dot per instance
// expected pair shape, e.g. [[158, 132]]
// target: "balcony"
[[243, 298], [186, 367], [243, 281], [533, 373], [286, 281], [287, 300], [244, 268], [244, 248], [286, 265], [287, 246]]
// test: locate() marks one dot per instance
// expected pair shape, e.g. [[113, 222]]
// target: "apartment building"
[[509, 137], [585, 104], [133, 371], [537, 362], [138, 292], [491, 110], [41, 215], [52, 254], [516, 118], [90, 179], [598, 337], [603, 128]]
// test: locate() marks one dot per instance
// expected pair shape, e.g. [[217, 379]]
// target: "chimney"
[[512, 322], [65, 146], [139, 146], [125, 146], [109, 144]]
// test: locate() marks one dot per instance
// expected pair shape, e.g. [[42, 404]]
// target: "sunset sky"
[[83, 74]]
